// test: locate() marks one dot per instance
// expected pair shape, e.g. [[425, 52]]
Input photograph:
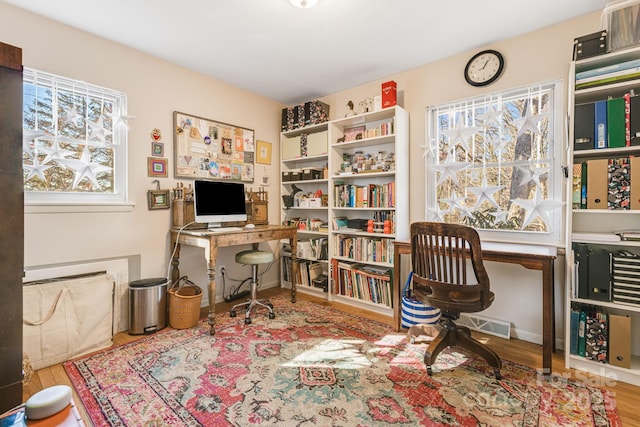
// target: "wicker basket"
[[184, 304]]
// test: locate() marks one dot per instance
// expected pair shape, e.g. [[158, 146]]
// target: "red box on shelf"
[[389, 98]]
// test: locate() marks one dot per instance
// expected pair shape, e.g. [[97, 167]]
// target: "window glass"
[[74, 140], [494, 162]]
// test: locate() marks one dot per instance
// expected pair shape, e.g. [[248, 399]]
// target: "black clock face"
[[484, 68]]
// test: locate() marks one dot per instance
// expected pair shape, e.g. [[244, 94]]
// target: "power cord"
[[175, 248]]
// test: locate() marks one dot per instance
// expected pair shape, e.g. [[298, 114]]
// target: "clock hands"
[[485, 64]]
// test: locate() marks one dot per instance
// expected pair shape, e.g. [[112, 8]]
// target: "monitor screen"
[[217, 202]]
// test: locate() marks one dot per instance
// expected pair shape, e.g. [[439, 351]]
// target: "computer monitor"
[[216, 202]]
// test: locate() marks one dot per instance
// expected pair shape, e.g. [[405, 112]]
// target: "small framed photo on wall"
[[158, 199], [157, 149], [263, 152], [157, 167]]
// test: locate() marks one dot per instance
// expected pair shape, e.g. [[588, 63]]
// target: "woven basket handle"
[[183, 281]]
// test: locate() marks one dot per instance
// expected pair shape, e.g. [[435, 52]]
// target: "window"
[[74, 141], [493, 162]]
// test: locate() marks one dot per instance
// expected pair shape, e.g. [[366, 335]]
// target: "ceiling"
[[293, 55]]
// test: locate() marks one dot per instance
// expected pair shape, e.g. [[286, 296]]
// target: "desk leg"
[[397, 293], [293, 243], [548, 310], [211, 273], [175, 262]]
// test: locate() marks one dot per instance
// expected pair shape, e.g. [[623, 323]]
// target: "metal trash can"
[[147, 306]]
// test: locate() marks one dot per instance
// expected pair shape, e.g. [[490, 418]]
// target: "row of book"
[[365, 249], [362, 196], [609, 123], [600, 336], [622, 71], [607, 184], [309, 273], [603, 275], [363, 282]]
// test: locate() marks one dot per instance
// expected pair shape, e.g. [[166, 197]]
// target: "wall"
[[534, 57], [157, 88]]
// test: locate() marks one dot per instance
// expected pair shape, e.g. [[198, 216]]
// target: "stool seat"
[[254, 257]]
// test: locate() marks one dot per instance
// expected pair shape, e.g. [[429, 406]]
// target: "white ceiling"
[[293, 55]]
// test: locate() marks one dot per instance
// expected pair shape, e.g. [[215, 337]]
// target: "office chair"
[[440, 255], [254, 258]]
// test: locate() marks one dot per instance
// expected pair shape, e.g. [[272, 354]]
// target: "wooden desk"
[[212, 241], [542, 260]]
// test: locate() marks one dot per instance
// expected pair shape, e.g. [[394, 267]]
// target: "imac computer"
[[217, 202]]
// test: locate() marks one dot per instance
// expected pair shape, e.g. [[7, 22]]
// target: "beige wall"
[[156, 88]]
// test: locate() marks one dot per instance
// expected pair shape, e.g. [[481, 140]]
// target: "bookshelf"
[[601, 207], [368, 205], [304, 203]]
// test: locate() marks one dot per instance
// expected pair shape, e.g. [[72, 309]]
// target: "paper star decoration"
[[449, 169], [428, 150], [529, 122], [98, 131], [84, 168], [500, 144], [490, 117], [485, 193], [72, 116], [55, 152], [454, 203], [29, 135], [436, 214], [37, 169], [537, 207], [121, 120], [532, 174], [460, 135], [500, 216]]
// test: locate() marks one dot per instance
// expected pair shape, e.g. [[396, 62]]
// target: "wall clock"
[[484, 68]]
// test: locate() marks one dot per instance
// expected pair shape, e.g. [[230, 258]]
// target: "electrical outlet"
[[219, 268]]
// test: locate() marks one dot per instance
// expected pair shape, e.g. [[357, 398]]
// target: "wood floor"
[[514, 350]]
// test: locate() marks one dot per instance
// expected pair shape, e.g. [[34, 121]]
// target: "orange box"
[[389, 94]]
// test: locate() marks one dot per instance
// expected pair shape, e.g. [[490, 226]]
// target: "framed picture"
[[263, 152], [157, 167], [157, 149], [206, 148], [158, 199]]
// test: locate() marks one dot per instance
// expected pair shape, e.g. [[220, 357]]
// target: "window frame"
[[556, 187], [58, 201]]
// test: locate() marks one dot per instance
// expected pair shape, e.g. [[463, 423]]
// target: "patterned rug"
[[315, 366]]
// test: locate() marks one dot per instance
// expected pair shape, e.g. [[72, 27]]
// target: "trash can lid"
[[145, 283]]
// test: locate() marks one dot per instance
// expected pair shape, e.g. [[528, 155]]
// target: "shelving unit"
[[596, 226], [369, 180], [307, 214]]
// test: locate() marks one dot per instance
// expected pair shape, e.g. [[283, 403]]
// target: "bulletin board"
[[205, 148]]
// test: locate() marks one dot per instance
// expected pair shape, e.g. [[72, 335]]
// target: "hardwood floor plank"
[[522, 352]]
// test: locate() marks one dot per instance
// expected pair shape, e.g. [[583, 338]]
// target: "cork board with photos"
[[205, 148]]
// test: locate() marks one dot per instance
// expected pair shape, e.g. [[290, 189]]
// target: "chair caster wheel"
[[429, 371], [272, 316], [247, 321], [232, 313], [497, 373]]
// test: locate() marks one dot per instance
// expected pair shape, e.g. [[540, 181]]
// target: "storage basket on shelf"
[[184, 304], [415, 312]]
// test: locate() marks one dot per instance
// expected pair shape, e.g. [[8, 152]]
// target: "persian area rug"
[[315, 366]]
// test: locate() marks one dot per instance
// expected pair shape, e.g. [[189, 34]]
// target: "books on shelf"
[[363, 282]]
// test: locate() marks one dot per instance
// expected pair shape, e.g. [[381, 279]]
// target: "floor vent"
[[486, 325]]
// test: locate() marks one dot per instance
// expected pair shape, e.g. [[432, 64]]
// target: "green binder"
[[616, 123]]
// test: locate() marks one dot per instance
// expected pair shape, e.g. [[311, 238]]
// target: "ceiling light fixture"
[[303, 4]]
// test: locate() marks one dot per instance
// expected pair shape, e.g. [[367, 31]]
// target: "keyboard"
[[224, 229]]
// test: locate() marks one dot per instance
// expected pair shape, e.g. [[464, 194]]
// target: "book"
[[611, 74], [619, 184], [582, 327], [621, 66]]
